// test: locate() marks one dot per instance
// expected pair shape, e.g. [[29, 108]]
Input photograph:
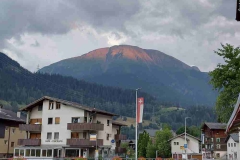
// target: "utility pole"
[[185, 145]]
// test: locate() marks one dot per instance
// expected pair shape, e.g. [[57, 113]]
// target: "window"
[[58, 105], [218, 146], [33, 152], [49, 153], [49, 135], [27, 153], [50, 120], [177, 143], [40, 108], [50, 105], [234, 144], [57, 120], [38, 152], [217, 140], [75, 120], [16, 154], [228, 144], [21, 152], [108, 136], [108, 122], [218, 155], [12, 144], [212, 139], [56, 135], [13, 130], [5, 142], [44, 153], [84, 135], [231, 144]]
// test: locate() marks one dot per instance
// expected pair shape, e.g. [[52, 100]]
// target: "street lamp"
[[136, 136], [186, 136]]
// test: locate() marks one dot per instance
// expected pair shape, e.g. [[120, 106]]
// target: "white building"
[[177, 145], [232, 146], [59, 128]]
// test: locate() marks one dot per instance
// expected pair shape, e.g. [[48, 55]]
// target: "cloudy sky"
[[42, 32]]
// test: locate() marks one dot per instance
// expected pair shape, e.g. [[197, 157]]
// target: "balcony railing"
[[85, 126], [84, 142], [120, 150], [120, 137], [30, 127], [29, 142]]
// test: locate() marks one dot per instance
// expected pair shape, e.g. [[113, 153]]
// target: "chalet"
[[9, 132], [59, 128], [214, 136], [177, 146], [232, 146]]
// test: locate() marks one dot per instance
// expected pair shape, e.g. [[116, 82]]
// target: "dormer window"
[[50, 105]]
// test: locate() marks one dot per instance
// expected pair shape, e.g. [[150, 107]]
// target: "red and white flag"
[[140, 104]]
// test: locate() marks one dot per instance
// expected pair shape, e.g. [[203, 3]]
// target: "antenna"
[[37, 68]]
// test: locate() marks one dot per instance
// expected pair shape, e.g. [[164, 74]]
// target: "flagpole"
[[136, 136]]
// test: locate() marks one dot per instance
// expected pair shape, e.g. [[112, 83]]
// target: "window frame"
[[58, 105], [49, 133], [51, 105], [57, 120], [40, 108], [108, 122], [55, 135], [49, 119]]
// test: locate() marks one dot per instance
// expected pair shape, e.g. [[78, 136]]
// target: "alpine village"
[[120, 102]]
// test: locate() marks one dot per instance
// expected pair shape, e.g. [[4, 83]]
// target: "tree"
[[151, 149], [193, 130], [142, 143], [225, 79], [162, 144]]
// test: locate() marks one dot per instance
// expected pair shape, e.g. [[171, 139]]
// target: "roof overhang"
[[233, 125]]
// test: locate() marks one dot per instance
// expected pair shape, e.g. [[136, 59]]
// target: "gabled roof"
[[183, 136], [234, 136], [73, 104], [151, 132], [118, 123], [221, 126], [235, 118], [10, 116]]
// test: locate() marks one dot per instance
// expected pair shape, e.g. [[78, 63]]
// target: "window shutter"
[[57, 120]]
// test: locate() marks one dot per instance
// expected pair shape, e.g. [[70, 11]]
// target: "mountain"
[[130, 67], [19, 87]]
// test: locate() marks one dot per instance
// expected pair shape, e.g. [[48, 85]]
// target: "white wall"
[[114, 132], [107, 129], [193, 145], [65, 113], [231, 150]]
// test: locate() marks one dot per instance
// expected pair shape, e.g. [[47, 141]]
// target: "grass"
[[131, 121]]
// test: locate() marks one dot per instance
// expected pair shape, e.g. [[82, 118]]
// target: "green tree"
[[151, 149], [162, 144], [225, 79], [193, 130], [142, 143]]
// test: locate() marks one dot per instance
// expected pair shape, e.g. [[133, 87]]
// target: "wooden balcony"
[[120, 137], [84, 142], [30, 127], [29, 142], [120, 150], [85, 126]]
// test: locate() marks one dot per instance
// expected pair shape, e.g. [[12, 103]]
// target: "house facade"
[[10, 132], [59, 128], [177, 145], [232, 146], [214, 136]]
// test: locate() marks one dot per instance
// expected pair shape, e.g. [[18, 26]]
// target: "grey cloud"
[[36, 44]]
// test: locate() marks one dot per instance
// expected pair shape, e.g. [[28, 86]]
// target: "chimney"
[[19, 114]]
